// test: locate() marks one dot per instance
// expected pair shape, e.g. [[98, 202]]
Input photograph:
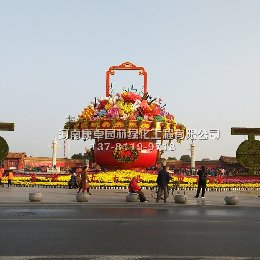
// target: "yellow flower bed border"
[[120, 180]]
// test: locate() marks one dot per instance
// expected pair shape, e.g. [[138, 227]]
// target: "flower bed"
[[121, 178]]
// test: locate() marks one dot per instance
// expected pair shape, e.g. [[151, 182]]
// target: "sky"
[[202, 59]]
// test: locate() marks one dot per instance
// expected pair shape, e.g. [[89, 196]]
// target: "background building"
[[20, 161], [230, 164]]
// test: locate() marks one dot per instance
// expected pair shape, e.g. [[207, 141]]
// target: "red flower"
[[130, 97], [102, 104]]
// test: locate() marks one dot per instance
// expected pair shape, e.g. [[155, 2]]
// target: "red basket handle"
[[125, 66]]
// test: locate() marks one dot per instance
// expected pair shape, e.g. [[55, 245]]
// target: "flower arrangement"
[[126, 107]]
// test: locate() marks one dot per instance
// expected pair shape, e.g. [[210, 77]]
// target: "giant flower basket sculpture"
[[126, 126]]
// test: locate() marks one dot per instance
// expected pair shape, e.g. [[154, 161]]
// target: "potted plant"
[[132, 197], [231, 200], [180, 198], [82, 197], [35, 196]]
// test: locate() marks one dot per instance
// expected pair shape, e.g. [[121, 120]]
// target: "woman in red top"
[[135, 188]]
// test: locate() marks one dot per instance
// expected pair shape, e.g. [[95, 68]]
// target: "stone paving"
[[20, 195]]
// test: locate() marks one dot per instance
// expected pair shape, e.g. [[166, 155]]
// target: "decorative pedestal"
[[132, 197], [231, 200], [180, 199], [35, 196], [82, 197]]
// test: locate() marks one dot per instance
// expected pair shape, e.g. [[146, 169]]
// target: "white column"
[[192, 149], [54, 152]]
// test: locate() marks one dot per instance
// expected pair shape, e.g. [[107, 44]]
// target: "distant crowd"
[[211, 172]]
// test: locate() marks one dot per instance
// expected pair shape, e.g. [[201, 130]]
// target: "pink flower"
[[113, 112]]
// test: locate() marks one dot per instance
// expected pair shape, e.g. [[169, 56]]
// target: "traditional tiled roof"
[[15, 155], [228, 159], [33, 159]]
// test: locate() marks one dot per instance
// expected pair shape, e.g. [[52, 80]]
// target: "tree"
[[77, 156], [185, 158], [88, 155], [172, 158]]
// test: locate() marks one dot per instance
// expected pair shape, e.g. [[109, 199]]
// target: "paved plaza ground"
[[20, 195], [108, 227]]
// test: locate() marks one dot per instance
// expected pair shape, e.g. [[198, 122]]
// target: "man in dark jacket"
[[202, 173], [163, 179]]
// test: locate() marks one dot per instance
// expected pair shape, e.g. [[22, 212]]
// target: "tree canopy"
[[172, 158], [185, 158]]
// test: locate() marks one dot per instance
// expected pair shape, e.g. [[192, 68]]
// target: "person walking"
[[84, 184], [162, 181], [73, 181], [79, 179], [202, 182], [10, 178]]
